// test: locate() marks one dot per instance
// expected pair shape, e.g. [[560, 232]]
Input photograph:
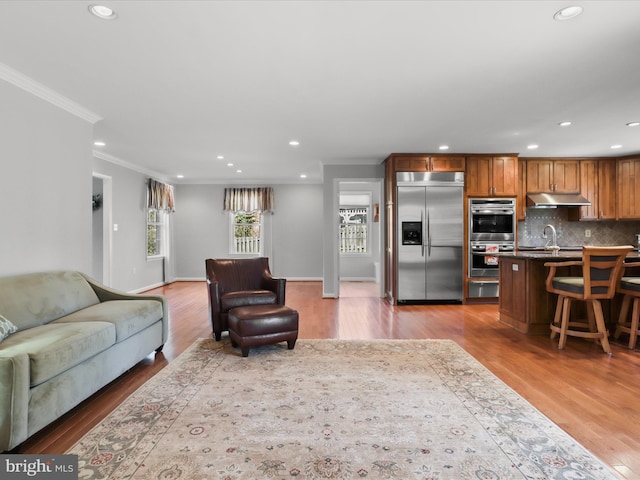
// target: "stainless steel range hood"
[[553, 200]]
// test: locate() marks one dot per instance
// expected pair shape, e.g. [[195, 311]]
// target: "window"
[[155, 232], [246, 230], [354, 227]]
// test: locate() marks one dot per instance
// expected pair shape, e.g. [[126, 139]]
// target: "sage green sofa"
[[73, 337]]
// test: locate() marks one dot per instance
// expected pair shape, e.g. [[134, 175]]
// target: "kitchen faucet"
[[554, 239]]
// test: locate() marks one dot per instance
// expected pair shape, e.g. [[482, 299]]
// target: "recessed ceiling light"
[[294, 143], [229, 164], [614, 147], [103, 12], [567, 13], [238, 171], [220, 157], [98, 143], [303, 175], [180, 176], [533, 146], [633, 124], [443, 147], [564, 124]]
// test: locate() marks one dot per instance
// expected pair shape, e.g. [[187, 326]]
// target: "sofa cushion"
[[243, 298], [56, 347], [37, 298], [128, 316]]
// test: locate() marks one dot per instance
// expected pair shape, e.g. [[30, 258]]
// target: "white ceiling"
[[177, 83]]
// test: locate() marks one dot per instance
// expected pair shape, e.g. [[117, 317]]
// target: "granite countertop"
[[565, 253]]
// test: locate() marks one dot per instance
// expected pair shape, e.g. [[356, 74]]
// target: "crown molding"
[[28, 84], [123, 163], [248, 181]]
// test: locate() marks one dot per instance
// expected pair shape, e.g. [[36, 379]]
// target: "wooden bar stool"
[[630, 287], [601, 272]]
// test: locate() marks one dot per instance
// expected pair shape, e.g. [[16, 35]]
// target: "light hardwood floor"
[[592, 396]]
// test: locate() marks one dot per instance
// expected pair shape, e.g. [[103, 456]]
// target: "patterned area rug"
[[330, 409]]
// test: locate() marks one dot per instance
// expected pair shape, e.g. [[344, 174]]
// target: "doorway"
[[101, 228], [359, 239]]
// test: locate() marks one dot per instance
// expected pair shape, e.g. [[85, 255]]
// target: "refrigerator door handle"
[[428, 234], [422, 223]]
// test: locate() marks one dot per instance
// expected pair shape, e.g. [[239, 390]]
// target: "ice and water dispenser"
[[411, 233]]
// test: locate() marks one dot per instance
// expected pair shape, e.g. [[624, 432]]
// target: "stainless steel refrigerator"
[[430, 235]]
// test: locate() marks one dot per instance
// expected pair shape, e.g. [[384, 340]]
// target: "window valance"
[[160, 196], [249, 199]]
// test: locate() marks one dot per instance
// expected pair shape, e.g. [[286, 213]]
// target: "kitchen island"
[[524, 302]]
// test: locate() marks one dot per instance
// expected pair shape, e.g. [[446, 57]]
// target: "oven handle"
[[489, 211]]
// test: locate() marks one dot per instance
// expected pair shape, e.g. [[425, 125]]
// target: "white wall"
[[297, 231], [293, 237], [45, 185]]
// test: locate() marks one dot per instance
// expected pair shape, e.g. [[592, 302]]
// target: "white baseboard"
[[150, 287], [357, 279], [289, 279]]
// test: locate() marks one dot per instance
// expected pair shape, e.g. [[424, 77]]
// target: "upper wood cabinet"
[[607, 175], [521, 199], [628, 198], [549, 175], [447, 163], [589, 189], [491, 176], [409, 163], [427, 163], [598, 185]]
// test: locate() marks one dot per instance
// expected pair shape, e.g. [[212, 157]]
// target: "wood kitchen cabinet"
[[598, 185], [447, 163], [589, 188], [628, 180], [607, 175], [521, 199], [491, 176], [513, 293], [553, 175], [427, 163]]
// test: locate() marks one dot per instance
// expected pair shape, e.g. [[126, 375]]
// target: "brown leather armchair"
[[240, 282]]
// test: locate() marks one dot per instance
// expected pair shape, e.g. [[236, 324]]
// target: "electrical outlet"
[[587, 233]]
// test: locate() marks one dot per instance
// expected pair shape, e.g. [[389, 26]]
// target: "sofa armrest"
[[14, 400], [106, 294]]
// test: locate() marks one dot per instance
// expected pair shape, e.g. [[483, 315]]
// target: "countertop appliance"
[[430, 236]]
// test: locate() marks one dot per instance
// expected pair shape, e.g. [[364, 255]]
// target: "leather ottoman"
[[257, 325]]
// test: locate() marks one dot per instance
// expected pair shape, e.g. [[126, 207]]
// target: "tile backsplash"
[[573, 232]]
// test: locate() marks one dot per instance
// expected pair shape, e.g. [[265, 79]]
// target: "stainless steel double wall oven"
[[492, 228]]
